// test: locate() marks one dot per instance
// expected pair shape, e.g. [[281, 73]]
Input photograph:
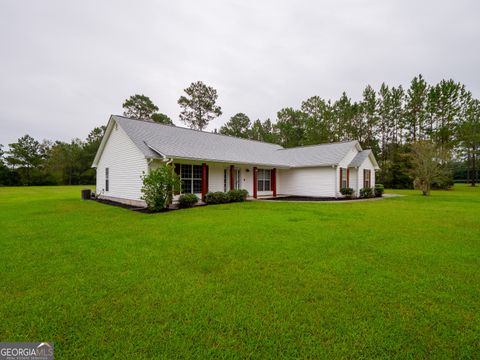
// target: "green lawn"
[[395, 278]]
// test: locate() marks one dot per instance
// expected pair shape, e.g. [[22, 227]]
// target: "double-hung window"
[[343, 178], [237, 179], [191, 176], [264, 180], [366, 178], [225, 179]]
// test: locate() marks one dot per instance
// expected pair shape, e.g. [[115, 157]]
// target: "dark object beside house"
[[86, 194]]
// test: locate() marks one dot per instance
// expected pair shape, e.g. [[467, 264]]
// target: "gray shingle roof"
[[157, 140], [359, 158], [317, 155]]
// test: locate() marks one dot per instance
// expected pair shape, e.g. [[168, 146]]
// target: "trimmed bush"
[[187, 200], [347, 192], [238, 195], [217, 198], [366, 192], [159, 185], [379, 189]]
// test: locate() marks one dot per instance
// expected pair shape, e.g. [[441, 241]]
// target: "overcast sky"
[[65, 66]]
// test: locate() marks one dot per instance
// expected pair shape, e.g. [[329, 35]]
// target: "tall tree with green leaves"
[[238, 125], [319, 121], [264, 131], [290, 127], [25, 155], [64, 162], [370, 119], [139, 107], [415, 109], [446, 106], [469, 138], [199, 106]]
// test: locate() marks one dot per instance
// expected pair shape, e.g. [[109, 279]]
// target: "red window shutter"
[[232, 184], [340, 178]]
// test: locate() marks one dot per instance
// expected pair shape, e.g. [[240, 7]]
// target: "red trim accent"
[[255, 182], [204, 181], [274, 181], [231, 177], [348, 177]]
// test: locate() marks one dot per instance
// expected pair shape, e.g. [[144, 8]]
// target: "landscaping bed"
[[311, 198]]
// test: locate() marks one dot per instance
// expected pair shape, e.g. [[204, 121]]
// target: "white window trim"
[[192, 178], [263, 179]]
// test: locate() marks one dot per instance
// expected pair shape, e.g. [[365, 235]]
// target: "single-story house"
[[208, 162]]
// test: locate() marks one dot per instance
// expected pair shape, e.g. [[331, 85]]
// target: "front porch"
[[201, 178]]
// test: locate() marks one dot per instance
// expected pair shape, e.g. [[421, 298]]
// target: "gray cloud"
[[65, 66]]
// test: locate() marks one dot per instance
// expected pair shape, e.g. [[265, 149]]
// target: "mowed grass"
[[395, 278]]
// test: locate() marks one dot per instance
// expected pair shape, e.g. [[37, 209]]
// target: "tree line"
[[398, 124], [388, 121], [32, 162]]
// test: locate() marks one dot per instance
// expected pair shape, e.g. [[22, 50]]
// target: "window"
[[264, 180], [107, 180], [343, 178], [225, 180], [191, 176], [237, 179], [366, 178]]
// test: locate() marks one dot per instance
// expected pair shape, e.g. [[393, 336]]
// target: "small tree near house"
[[428, 165], [159, 186]]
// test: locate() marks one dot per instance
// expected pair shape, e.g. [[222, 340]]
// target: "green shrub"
[[217, 198], [159, 185], [347, 192], [238, 195], [187, 200], [366, 192], [379, 189]]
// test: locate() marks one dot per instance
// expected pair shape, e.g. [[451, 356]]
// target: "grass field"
[[396, 278]]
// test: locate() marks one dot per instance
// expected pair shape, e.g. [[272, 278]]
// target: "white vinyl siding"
[[125, 164], [318, 181]]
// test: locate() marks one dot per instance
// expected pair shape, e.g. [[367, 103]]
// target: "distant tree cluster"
[[388, 121], [31, 162]]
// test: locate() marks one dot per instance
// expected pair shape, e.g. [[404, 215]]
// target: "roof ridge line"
[[198, 131]]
